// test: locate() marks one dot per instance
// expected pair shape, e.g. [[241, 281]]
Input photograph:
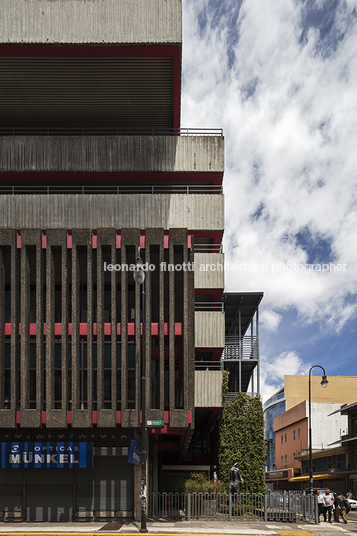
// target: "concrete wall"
[[208, 388], [194, 212], [95, 21], [341, 389], [112, 153], [210, 278], [209, 329]]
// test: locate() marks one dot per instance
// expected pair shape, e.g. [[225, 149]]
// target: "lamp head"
[[139, 272], [324, 381]]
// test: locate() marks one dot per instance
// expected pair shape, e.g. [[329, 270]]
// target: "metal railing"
[[209, 306], [233, 394], [244, 348], [208, 248], [208, 365], [110, 189], [272, 506], [109, 131]]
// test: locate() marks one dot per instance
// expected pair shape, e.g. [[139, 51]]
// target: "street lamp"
[[324, 383], [139, 278]]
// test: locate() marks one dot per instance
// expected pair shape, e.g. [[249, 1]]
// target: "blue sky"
[[280, 77]]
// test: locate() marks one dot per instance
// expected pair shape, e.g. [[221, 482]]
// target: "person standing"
[[328, 504], [340, 508], [349, 495], [320, 503]]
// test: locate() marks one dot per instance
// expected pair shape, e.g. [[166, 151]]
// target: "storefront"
[[65, 481]]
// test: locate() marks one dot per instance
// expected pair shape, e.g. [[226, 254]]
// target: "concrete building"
[[94, 165], [348, 444], [288, 405]]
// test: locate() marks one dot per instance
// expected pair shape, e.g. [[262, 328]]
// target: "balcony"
[[208, 389], [176, 157]]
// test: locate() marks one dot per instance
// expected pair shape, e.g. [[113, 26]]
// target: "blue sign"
[[134, 452], [60, 455]]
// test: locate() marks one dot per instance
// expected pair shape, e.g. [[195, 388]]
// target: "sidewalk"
[[254, 528]]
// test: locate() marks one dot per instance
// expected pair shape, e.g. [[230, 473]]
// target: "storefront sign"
[[276, 474], [155, 424], [60, 455], [134, 452]]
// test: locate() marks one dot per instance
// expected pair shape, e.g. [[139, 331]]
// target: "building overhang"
[[247, 302]]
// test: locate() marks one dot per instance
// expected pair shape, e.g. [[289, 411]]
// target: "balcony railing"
[[244, 348], [208, 365], [111, 189], [208, 248], [209, 306], [108, 131]]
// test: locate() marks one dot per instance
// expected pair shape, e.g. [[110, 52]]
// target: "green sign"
[[155, 424]]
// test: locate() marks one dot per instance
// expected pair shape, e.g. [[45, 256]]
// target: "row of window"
[[286, 458], [286, 436]]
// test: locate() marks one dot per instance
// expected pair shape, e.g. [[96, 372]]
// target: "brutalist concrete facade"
[[81, 190]]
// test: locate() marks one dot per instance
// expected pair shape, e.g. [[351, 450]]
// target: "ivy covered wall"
[[241, 440]]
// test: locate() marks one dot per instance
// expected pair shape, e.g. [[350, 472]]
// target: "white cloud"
[[273, 371], [289, 118], [270, 320]]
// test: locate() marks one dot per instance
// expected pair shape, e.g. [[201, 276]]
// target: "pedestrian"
[[320, 503], [349, 495], [328, 504], [340, 508]]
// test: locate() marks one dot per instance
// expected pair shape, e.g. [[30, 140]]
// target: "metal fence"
[[108, 131], [272, 506]]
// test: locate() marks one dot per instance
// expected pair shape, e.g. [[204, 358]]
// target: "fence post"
[[266, 507], [317, 517], [230, 506], [189, 507]]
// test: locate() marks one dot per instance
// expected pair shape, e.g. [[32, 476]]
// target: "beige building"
[[340, 389]]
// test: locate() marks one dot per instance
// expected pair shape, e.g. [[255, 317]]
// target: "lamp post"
[[324, 383], [139, 278]]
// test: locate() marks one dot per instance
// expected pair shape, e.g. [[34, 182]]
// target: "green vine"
[[225, 386], [242, 441]]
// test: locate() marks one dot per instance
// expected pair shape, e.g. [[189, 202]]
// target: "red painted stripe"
[[177, 87], [44, 240], [94, 240], [166, 417], [18, 417], [189, 417], [18, 241], [69, 417], [94, 417], [166, 241], [118, 240], [118, 417], [189, 242], [142, 241], [83, 329], [69, 241], [68, 51], [116, 177], [43, 417]]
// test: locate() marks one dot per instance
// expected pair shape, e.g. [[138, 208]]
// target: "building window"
[[282, 460], [294, 435], [282, 440], [298, 433], [286, 438], [286, 459]]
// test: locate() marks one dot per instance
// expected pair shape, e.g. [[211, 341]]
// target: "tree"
[[242, 441]]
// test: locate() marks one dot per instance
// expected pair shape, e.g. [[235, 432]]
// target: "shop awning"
[[323, 476]]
